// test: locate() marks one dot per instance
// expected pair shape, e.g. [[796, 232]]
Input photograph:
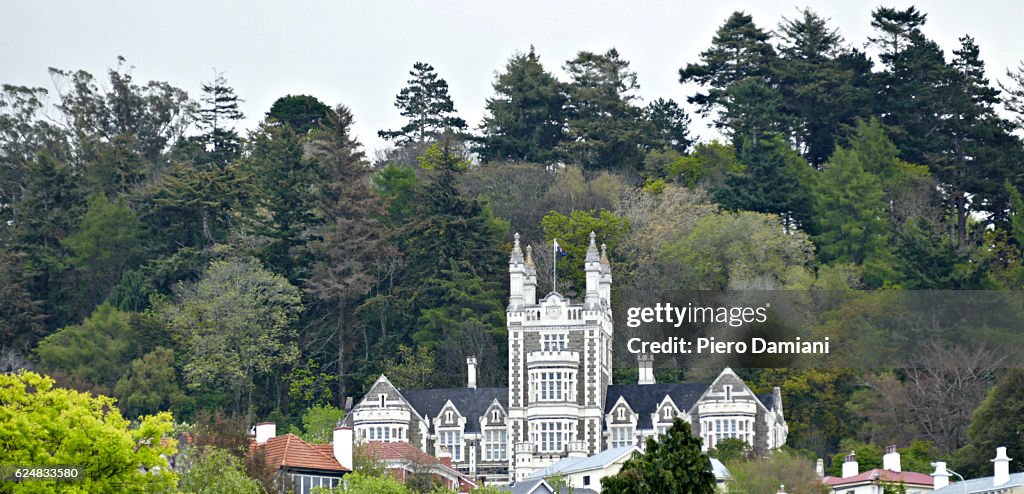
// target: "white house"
[[874, 481], [1001, 481]]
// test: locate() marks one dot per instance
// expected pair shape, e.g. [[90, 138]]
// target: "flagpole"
[[554, 265]]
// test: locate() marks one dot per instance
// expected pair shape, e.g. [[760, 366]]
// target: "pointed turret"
[[604, 288], [530, 281], [592, 269], [517, 275]]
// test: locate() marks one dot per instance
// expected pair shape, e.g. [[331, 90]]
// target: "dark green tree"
[[427, 106], [996, 423], [525, 119], [824, 85], [669, 125], [150, 385], [775, 179], [605, 128], [300, 112], [739, 50], [349, 239], [672, 463], [220, 141]]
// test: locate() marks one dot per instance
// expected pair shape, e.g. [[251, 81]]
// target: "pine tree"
[[349, 240], [605, 128], [673, 462], [739, 50], [774, 179], [669, 125], [525, 119], [427, 106], [220, 108]]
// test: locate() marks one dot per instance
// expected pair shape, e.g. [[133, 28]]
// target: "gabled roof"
[[883, 476], [983, 484], [290, 451], [644, 398], [400, 451], [471, 402], [579, 464], [540, 486]]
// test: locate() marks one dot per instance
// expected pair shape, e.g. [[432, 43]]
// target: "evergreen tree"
[[823, 84], [673, 462], [348, 241], [996, 423], [669, 125], [739, 50], [850, 217], [605, 130], [525, 119], [427, 106], [774, 180], [222, 144], [301, 112]]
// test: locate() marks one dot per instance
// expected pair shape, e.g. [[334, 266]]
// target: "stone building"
[[561, 400]]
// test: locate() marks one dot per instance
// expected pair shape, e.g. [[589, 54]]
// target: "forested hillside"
[[153, 252]]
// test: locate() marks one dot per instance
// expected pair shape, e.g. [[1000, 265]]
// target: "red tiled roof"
[[290, 451], [883, 476]]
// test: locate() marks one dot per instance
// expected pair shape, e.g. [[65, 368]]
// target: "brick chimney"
[[265, 431], [445, 456], [1001, 467], [850, 465], [940, 475], [891, 459]]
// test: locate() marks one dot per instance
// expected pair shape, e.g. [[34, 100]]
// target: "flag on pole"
[[559, 250]]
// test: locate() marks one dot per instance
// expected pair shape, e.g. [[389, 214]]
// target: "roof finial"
[[604, 253], [592, 253], [517, 253], [529, 256]]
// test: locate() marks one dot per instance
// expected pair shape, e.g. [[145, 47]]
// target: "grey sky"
[[359, 53]]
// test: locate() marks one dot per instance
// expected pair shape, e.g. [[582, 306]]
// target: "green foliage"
[[150, 385], [742, 250], [525, 119], [109, 241], [673, 463], [236, 323], [573, 234], [301, 112], [215, 471], [730, 450], [360, 483], [427, 106], [308, 386], [606, 130], [774, 179], [996, 423], [318, 423], [48, 426], [781, 468], [92, 355]]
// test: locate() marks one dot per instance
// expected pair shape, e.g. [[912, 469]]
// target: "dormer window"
[[448, 416], [728, 393], [667, 413], [622, 413], [495, 416], [382, 398]]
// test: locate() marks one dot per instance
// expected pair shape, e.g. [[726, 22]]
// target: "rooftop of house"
[[878, 474], [980, 485], [290, 451]]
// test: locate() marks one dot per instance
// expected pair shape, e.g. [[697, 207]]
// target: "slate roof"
[[767, 400], [290, 451], [472, 403], [644, 398], [984, 484], [539, 486]]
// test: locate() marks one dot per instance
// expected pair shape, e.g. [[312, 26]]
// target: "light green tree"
[[48, 426], [236, 323], [216, 471]]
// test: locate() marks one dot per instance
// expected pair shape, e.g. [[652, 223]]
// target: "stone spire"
[[592, 254], [529, 258], [517, 253], [605, 265]]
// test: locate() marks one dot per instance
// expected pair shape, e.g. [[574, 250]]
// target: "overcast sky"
[[359, 53]]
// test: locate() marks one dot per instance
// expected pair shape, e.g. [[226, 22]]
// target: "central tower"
[[559, 363]]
